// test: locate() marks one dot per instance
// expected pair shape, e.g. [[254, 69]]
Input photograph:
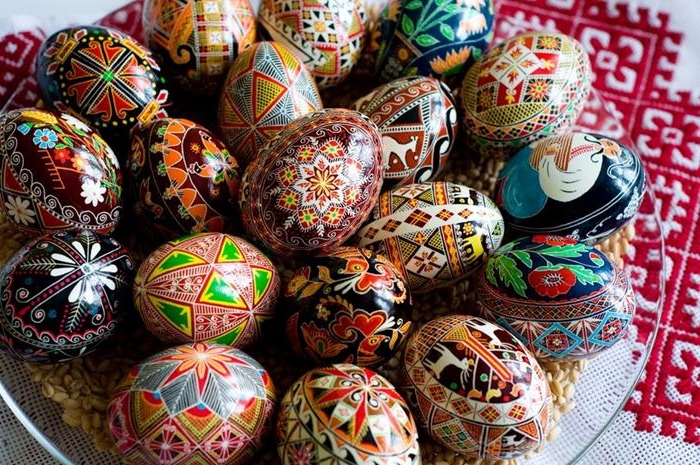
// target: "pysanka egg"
[[475, 388], [62, 295], [345, 414], [436, 233], [350, 306], [200, 403], [56, 173], [313, 183], [417, 119], [327, 36], [562, 298], [439, 38], [198, 39], [183, 178], [266, 88], [207, 287], [103, 75], [582, 185], [530, 86]]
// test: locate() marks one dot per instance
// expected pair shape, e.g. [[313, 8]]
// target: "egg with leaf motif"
[[562, 298]]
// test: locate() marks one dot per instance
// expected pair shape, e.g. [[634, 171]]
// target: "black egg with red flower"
[[563, 298], [350, 306]]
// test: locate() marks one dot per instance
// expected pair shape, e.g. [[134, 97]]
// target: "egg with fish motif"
[[204, 404], [576, 184], [436, 233], [350, 306], [313, 184], [207, 287], [327, 36], [475, 388], [438, 38], [103, 75], [564, 299], [63, 295], [528, 87], [183, 178], [56, 173], [345, 414], [417, 119], [196, 40], [266, 88]]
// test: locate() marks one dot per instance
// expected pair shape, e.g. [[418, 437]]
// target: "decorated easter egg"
[[439, 38], [200, 403], [266, 88], [197, 40], [326, 35], [562, 298], [345, 414], [526, 88], [183, 178], [350, 306], [313, 183], [57, 173], [582, 185], [103, 75], [436, 233], [475, 388], [417, 120], [62, 295], [206, 287]]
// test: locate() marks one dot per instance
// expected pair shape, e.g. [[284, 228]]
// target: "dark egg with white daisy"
[[62, 295], [57, 173]]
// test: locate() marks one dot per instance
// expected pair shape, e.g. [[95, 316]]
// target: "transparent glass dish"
[[600, 394]]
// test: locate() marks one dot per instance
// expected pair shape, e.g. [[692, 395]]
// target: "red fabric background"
[[634, 56]]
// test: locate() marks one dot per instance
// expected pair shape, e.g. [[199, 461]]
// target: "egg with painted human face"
[[475, 388]]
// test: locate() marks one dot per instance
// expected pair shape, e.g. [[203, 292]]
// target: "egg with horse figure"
[[313, 184], [528, 87], [204, 404], [417, 119], [207, 287], [350, 306], [63, 295], [56, 173], [436, 233], [103, 75], [576, 184], [196, 40], [438, 38], [327, 36], [266, 88], [345, 414], [183, 178], [475, 388], [564, 299]]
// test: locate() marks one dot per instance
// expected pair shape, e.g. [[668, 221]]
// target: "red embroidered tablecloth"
[[646, 59]]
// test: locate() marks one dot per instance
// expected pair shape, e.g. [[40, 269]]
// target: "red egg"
[[314, 183]]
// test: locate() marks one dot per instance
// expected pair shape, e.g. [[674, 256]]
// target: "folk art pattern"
[[57, 173], [351, 306], [63, 294], [345, 411], [475, 388], [267, 87], [207, 287], [198, 40], [193, 404]]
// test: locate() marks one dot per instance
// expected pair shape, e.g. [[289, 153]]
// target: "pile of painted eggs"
[[325, 223]]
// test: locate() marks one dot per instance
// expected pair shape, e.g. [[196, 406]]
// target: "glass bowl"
[[600, 393]]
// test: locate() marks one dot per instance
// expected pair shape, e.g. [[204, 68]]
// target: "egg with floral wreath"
[[563, 298], [57, 173]]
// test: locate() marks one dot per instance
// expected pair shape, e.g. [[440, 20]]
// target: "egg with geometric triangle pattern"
[[211, 287]]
